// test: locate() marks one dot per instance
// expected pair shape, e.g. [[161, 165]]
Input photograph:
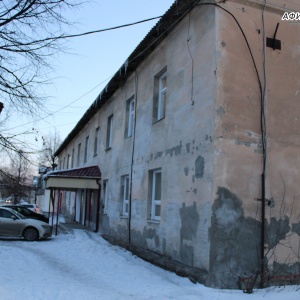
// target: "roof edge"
[[178, 10]]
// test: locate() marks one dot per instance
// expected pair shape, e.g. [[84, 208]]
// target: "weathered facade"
[[197, 139]]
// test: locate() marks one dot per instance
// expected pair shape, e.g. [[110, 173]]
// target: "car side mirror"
[[14, 218]]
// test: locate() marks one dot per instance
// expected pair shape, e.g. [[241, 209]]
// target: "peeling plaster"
[[199, 167], [221, 112], [174, 150], [189, 224], [188, 146], [186, 171], [229, 259]]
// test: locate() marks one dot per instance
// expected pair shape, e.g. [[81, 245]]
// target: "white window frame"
[[155, 202], [162, 91], [130, 117], [109, 132], [125, 194]]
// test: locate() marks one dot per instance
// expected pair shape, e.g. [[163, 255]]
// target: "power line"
[[64, 107], [84, 33], [78, 35]]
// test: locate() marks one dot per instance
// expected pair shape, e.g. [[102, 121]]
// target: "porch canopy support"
[[73, 179]]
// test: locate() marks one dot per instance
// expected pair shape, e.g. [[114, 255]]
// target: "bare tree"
[[31, 33], [16, 180], [50, 144]]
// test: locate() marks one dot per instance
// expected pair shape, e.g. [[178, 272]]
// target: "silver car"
[[13, 224]]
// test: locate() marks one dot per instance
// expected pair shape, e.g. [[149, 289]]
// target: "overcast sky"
[[82, 73]]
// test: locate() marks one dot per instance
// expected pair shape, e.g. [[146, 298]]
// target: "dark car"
[[28, 213]]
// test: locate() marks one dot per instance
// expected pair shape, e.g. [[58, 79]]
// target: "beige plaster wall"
[[238, 159]]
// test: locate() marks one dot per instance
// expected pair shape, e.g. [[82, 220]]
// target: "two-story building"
[[192, 150]]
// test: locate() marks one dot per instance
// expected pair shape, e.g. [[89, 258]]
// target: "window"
[[125, 194], [155, 180], [129, 117], [105, 197], [78, 154], [109, 132], [86, 148], [69, 161], [72, 160], [6, 214], [160, 93], [96, 141]]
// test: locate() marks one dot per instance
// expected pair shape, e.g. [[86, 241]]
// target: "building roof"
[[87, 172], [178, 10]]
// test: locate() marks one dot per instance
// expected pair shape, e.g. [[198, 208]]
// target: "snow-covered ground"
[[81, 265]]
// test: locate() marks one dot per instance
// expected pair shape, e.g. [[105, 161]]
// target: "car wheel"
[[30, 234]]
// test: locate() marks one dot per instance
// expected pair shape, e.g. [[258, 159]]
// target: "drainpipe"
[[53, 204], [264, 153], [132, 160], [98, 205], [262, 240], [57, 208], [50, 204]]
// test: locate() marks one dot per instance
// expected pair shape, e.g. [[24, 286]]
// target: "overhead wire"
[[99, 31], [64, 107]]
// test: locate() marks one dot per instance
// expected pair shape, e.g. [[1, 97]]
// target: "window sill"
[[103, 213], [107, 149], [124, 216], [158, 120], [152, 221]]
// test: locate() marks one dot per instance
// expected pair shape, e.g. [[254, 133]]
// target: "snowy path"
[[84, 266]]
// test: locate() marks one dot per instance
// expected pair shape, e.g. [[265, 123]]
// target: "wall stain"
[[186, 171], [229, 259], [276, 230], [188, 231], [158, 154], [208, 138], [296, 228], [140, 238], [221, 112], [240, 142], [174, 150], [188, 146], [199, 167]]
